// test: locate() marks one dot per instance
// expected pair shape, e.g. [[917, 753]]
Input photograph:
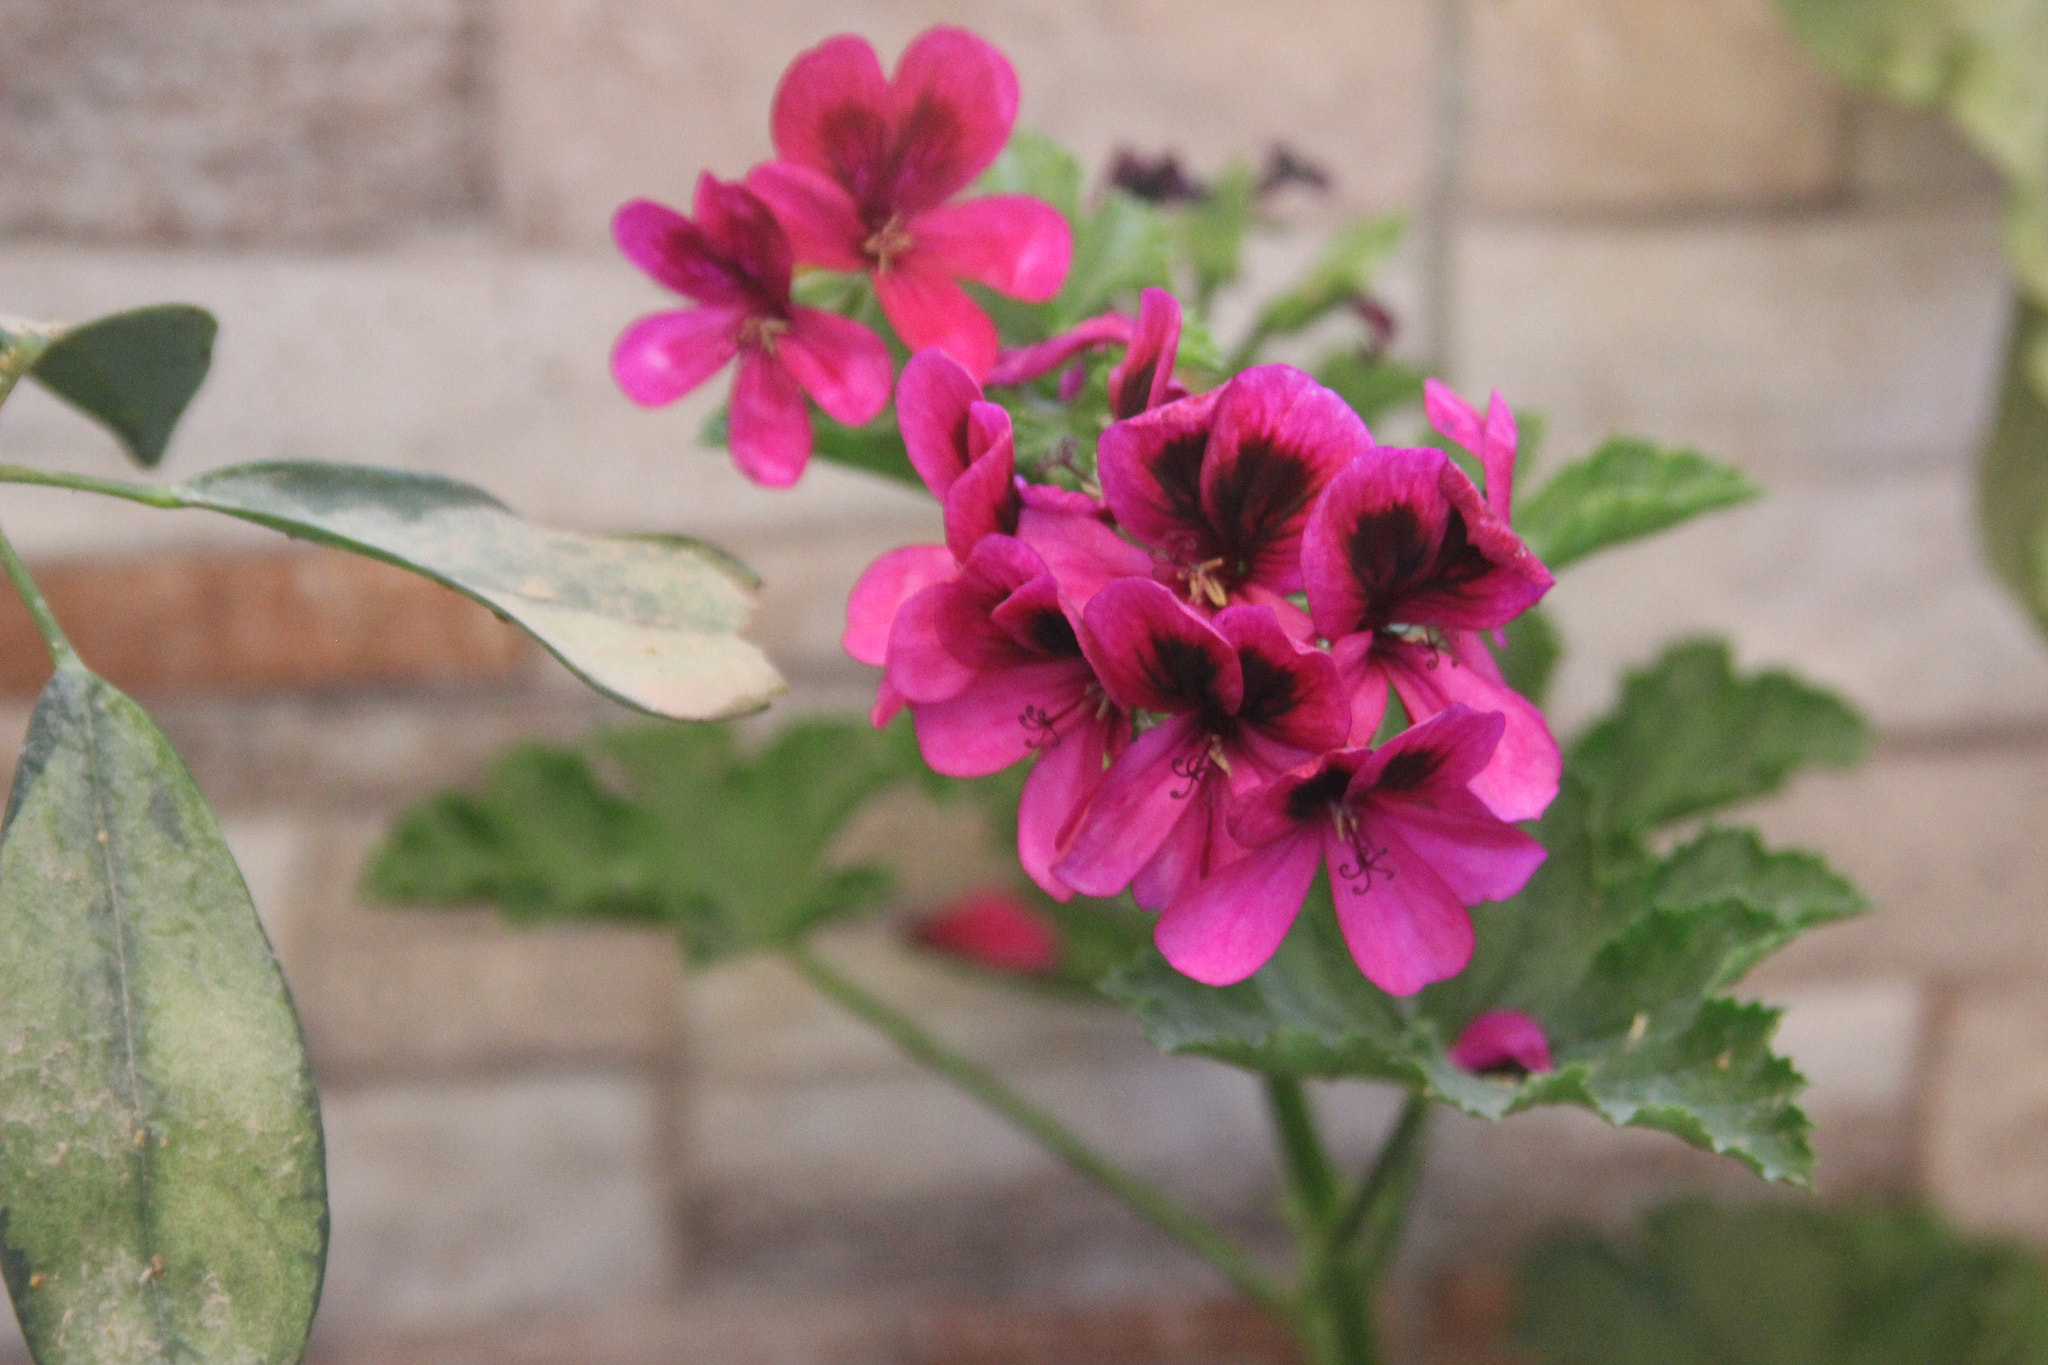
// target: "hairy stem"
[[61, 652], [1148, 1201]]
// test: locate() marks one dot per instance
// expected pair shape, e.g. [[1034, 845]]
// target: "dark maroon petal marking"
[[1053, 633], [1408, 770], [1181, 669], [1259, 500], [1389, 552], [1270, 689], [1313, 798]]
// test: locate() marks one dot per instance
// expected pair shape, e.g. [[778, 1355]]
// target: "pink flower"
[[1027, 363], [1404, 565], [1241, 702], [734, 260], [1407, 844], [1143, 379], [1219, 486], [1502, 1041], [867, 163], [993, 930]]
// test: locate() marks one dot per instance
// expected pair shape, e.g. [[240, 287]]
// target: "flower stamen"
[[887, 242]]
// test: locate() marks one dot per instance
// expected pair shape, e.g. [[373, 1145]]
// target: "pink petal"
[[983, 500], [821, 220], [1277, 441], [1477, 854], [831, 111], [665, 355], [994, 930], [1199, 845], [1151, 471], [1379, 524], [932, 401], [1141, 379], [1434, 757], [928, 309], [769, 429], [674, 253], [1500, 1040], [1404, 926], [952, 104], [1152, 654], [1520, 780], [842, 365], [920, 665], [886, 585], [1451, 415], [1056, 795], [1012, 243], [1224, 928], [888, 701], [1143, 796], [1497, 455], [1291, 695], [992, 722], [742, 230], [1365, 680], [1084, 554], [1027, 363]]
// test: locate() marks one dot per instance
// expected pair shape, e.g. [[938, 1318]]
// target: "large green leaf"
[[731, 848], [1783, 1284], [133, 371], [162, 1185], [1625, 490], [652, 621]]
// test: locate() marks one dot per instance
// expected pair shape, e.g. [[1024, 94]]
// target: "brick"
[[1987, 1123], [1636, 105], [438, 992], [469, 1201], [689, 88], [1834, 348], [1951, 846], [309, 619], [216, 121], [1877, 591]]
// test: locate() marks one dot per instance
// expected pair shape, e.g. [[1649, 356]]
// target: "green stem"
[[150, 495], [1309, 1176], [1389, 1179], [61, 652], [1152, 1204]]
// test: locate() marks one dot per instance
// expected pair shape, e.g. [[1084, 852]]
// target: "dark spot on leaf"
[[163, 813]]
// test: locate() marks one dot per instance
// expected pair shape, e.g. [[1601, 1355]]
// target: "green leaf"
[[1212, 231], [1623, 491], [1119, 249], [162, 1184], [876, 448], [1036, 165], [1532, 652], [2012, 479], [652, 621], [1689, 736], [1782, 1284], [1346, 269], [671, 825], [133, 372], [1373, 386]]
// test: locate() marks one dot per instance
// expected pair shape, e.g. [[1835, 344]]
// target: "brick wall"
[[1641, 215]]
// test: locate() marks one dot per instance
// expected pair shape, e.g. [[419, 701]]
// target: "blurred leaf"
[[1036, 165], [133, 372], [876, 448], [162, 1183], [1532, 652], [1346, 270], [1623, 491], [1782, 1284], [2012, 488], [651, 621], [1119, 249], [1374, 387], [671, 824], [1212, 231], [1688, 736]]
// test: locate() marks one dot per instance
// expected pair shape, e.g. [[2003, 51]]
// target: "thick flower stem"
[[61, 652], [1149, 1202]]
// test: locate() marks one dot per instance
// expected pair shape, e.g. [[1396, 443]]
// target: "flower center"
[[1367, 859], [888, 241], [1205, 584], [759, 333]]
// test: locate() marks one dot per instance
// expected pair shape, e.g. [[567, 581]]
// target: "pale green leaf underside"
[[162, 1184]]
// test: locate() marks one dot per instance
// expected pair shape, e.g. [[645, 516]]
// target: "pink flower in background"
[[734, 261], [1142, 379], [1407, 844], [1027, 363], [866, 164], [1404, 565], [1502, 1041], [1492, 441], [994, 930]]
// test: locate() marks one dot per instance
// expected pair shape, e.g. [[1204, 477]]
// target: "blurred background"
[[1651, 216]]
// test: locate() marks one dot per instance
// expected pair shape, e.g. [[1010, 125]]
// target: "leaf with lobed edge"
[[1625, 490], [651, 621], [162, 1180]]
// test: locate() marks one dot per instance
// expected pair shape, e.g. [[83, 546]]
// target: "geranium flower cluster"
[[1197, 659]]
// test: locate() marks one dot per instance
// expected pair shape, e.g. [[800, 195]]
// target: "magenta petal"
[[1151, 471], [1228, 926], [988, 726], [673, 252], [769, 428], [952, 103], [1085, 555], [933, 397], [665, 355], [1439, 754], [920, 664], [1199, 845], [928, 309], [1153, 654], [1480, 856], [822, 221], [1365, 680], [1451, 415], [831, 111], [882, 590], [842, 365], [1379, 524], [1502, 1039], [1497, 455], [743, 232], [1134, 811], [983, 500], [1404, 926], [1278, 439], [1141, 379], [1056, 796], [1520, 779], [1027, 363], [1012, 243]]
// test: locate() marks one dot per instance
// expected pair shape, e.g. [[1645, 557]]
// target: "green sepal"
[[132, 372], [162, 1178], [1625, 490]]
